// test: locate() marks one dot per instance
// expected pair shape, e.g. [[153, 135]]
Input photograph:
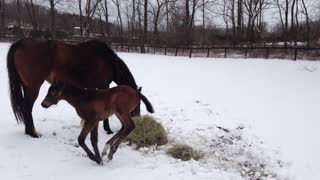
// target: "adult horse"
[[90, 64]]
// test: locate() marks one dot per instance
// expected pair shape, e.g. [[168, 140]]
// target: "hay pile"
[[184, 152], [148, 132]]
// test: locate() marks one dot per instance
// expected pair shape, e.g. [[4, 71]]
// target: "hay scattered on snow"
[[148, 132], [184, 152]]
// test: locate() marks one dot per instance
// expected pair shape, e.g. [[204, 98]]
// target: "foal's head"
[[54, 94]]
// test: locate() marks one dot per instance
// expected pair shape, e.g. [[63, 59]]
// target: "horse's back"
[[32, 60]]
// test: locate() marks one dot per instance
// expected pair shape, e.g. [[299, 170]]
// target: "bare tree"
[[145, 22], [30, 7], [158, 12], [89, 11], [119, 18], [240, 20], [306, 13], [2, 14], [18, 17], [104, 7], [52, 4]]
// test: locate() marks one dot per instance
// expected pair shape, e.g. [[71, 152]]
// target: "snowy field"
[[250, 118]]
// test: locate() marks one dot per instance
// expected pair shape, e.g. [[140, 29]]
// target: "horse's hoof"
[[109, 132], [33, 134]]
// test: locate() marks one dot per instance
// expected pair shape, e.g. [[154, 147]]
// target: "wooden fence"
[[226, 51], [266, 52]]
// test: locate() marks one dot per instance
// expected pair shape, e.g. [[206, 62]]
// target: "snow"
[[249, 118]]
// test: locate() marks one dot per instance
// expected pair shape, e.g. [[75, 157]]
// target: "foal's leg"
[[94, 143], [128, 125], [111, 141], [88, 126]]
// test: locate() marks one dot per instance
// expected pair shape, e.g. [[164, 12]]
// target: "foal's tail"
[[146, 102], [15, 85]]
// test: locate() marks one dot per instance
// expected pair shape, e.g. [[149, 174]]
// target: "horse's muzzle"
[[45, 104]]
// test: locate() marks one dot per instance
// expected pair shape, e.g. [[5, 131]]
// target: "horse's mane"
[[122, 74]]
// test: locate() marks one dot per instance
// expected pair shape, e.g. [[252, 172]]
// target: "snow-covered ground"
[[251, 118]]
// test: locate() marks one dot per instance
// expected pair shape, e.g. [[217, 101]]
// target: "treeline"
[[166, 22]]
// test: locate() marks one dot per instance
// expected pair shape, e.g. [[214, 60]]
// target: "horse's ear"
[[140, 88]]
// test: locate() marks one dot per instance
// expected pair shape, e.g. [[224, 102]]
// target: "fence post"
[[208, 52], [190, 54], [267, 53], [295, 53], [165, 50], [225, 52], [154, 50], [128, 48], [142, 49], [116, 47], [245, 52], [176, 51]]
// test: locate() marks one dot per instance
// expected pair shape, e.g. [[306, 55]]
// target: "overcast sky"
[[272, 16]]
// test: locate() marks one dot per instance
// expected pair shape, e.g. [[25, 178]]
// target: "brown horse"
[[90, 64], [95, 105]]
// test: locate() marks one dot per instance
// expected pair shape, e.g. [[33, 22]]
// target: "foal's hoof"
[[105, 149], [110, 156], [99, 161]]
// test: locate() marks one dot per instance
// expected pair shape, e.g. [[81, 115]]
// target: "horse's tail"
[[15, 86], [146, 102]]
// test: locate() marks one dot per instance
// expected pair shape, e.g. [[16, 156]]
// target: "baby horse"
[[95, 105]]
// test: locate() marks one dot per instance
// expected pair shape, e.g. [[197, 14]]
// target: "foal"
[[95, 105]]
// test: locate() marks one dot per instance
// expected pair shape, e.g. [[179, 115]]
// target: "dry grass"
[[184, 152], [148, 132]]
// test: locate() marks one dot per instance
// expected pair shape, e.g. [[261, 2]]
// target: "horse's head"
[[54, 94]]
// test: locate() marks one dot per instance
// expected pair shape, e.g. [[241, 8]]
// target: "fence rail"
[[225, 51], [266, 52]]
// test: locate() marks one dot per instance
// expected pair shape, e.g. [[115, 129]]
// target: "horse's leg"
[[106, 125], [128, 127], [88, 126], [94, 142], [31, 95]]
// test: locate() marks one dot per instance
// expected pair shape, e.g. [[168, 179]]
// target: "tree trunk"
[[53, 19], [2, 13], [80, 18], [18, 14], [145, 24], [107, 18], [239, 21]]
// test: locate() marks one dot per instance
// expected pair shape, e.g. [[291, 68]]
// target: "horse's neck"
[[73, 101]]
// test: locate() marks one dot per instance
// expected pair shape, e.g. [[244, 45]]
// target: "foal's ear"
[[140, 88]]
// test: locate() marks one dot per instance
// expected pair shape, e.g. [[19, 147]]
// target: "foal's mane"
[[71, 90]]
